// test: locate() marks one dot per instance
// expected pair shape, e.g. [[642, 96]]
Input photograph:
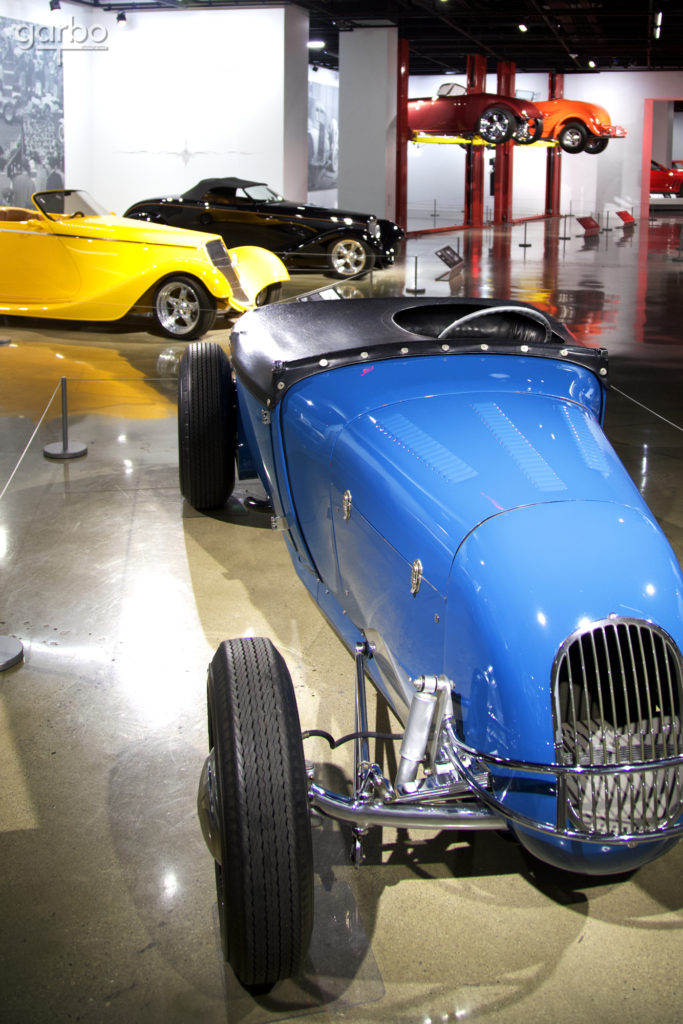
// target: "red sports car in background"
[[666, 180], [495, 118], [577, 126]]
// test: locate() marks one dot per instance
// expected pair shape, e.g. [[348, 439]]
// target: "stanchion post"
[[67, 450], [679, 257], [524, 244], [11, 652], [415, 290]]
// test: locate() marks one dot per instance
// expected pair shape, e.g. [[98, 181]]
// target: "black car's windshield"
[[260, 194], [68, 203]]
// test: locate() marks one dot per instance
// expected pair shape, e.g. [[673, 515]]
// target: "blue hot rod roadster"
[[441, 479]]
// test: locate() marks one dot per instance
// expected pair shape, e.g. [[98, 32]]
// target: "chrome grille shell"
[[220, 257], [617, 691]]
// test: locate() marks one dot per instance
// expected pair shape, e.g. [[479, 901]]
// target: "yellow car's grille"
[[220, 257]]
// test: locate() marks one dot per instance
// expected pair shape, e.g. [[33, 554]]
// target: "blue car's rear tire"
[[206, 426], [264, 883]]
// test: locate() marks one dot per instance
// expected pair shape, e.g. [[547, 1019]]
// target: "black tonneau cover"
[[275, 346], [199, 190]]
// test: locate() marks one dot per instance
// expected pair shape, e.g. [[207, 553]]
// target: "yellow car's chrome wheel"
[[183, 308]]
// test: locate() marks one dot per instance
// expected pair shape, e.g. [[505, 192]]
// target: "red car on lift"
[[665, 180], [492, 117]]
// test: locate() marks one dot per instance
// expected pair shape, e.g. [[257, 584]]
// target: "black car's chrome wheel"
[[206, 426], [253, 805], [573, 137], [496, 125], [349, 256], [183, 308]]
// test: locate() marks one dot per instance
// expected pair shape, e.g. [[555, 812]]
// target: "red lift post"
[[502, 173], [474, 166], [402, 134], [553, 172]]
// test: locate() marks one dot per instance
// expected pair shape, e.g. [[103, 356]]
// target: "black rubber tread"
[[265, 883], [206, 426], [269, 294], [207, 309], [576, 126], [595, 145], [531, 136]]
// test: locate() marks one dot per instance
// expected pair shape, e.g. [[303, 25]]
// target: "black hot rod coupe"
[[440, 476], [304, 236]]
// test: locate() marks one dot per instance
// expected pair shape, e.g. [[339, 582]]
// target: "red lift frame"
[[474, 166]]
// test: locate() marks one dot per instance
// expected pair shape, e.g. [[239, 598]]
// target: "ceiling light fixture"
[[316, 44], [522, 28], [658, 24], [121, 19], [591, 63], [55, 5]]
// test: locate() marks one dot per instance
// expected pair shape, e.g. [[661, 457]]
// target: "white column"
[[295, 114], [368, 60], [662, 131]]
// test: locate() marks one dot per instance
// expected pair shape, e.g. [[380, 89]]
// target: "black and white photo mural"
[[323, 134], [31, 112]]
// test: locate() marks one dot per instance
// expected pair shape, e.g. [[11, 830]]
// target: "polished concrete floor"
[[119, 595]]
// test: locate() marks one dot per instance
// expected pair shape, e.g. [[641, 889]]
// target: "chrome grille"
[[220, 257], [617, 698]]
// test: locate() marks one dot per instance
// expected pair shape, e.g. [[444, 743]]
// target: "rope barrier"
[[647, 408]]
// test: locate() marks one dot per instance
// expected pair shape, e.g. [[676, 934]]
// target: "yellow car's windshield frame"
[[70, 202]]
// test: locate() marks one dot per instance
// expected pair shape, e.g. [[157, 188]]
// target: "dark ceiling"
[[560, 36]]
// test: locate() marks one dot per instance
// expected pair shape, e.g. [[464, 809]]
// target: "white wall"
[[368, 60], [295, 99], [182, 95], [677, 147]]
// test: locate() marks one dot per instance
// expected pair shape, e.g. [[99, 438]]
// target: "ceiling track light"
[[121, 19], [55, 5]]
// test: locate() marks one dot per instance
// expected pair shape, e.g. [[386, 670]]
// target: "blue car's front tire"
[[264, 882]]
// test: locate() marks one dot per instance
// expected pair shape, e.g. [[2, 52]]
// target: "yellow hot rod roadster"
[[67, 258]]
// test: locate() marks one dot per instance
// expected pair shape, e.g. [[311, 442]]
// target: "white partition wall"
[[367, 120], [180, 95]]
